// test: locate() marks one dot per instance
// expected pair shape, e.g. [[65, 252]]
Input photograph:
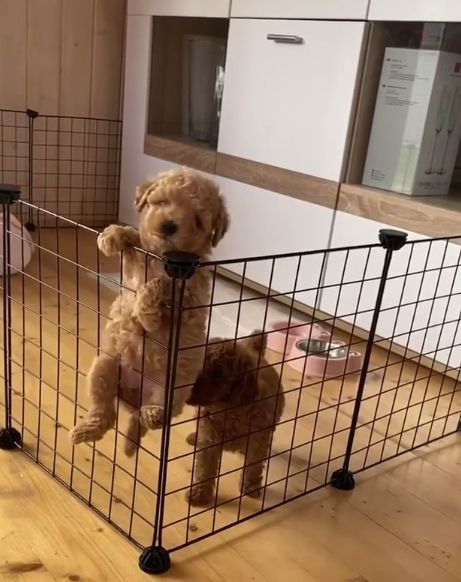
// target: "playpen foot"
[[155, 560], [10, 438], [343, 479]]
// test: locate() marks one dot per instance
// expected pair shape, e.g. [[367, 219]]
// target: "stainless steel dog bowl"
[[323, 348]]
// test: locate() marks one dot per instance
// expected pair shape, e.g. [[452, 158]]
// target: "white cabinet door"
[[204, 8], [268, 224], [422, 301], [415, 10], [352, 9], [289, 104]]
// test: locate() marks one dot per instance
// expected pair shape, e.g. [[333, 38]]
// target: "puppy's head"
[[183, 211], [229, 376]]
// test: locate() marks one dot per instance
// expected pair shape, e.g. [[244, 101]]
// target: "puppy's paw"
[[90, 430], [201, 495], [152, 299], [151, 417], [115, 238], [191, 439], [253, 490]]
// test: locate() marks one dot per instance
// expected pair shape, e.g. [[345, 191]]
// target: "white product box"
[[417, 123]]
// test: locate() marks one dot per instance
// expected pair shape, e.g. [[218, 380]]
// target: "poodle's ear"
[[201, 392], [221, 222], [142, 194]]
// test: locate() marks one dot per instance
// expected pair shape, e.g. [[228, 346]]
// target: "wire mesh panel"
[[285, 410], [15, 150], [67, 165], [341, 359], [412, 394], [60, 304]]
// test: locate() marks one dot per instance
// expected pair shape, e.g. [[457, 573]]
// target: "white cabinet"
[[351, 9], [415, 10], [422, 301], [204, 8], [289, 92], [265, 223]]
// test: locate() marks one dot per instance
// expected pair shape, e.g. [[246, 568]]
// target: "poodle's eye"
[[198, 222], [160, 203]]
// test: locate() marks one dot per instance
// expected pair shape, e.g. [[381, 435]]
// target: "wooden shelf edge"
[[433, 217], [286, 182], [181, 152]]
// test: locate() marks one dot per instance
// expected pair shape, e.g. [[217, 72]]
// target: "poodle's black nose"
[[169, 228]]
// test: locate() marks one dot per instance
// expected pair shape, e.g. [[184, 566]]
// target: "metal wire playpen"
[[67, 165], [365, 340]]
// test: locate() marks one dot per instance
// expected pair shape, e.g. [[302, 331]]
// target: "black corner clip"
[[180, 265], [392, 240], [9, 193]]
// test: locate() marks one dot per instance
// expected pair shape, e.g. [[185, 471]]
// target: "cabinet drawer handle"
[[286, 38]]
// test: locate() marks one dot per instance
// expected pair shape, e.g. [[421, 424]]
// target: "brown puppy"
[[241, 401], [182, 211]]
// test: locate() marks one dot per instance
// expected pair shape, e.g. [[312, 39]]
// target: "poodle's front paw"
[[115, 238], [151, 300], [201, 495], [92, 429], [151, 417]]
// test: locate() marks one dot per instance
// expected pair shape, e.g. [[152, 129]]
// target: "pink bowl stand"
[[283, 334], [322, 366]]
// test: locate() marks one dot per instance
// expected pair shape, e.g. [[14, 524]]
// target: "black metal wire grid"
[[398, 307], [67, 165]]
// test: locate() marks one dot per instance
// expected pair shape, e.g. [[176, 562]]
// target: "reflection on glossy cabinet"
[[265, 223], [289, 93], [352, 9], [415, 10], [206, 8], [422, 298]]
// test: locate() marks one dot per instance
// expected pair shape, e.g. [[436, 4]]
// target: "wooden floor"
[[402, 523]]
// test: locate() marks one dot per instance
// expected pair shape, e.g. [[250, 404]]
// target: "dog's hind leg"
[[102, 383], [135, 432], [206, 466], [255, 459]]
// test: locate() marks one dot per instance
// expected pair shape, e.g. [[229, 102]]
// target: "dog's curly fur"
[[181, 211], [241, 401]]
